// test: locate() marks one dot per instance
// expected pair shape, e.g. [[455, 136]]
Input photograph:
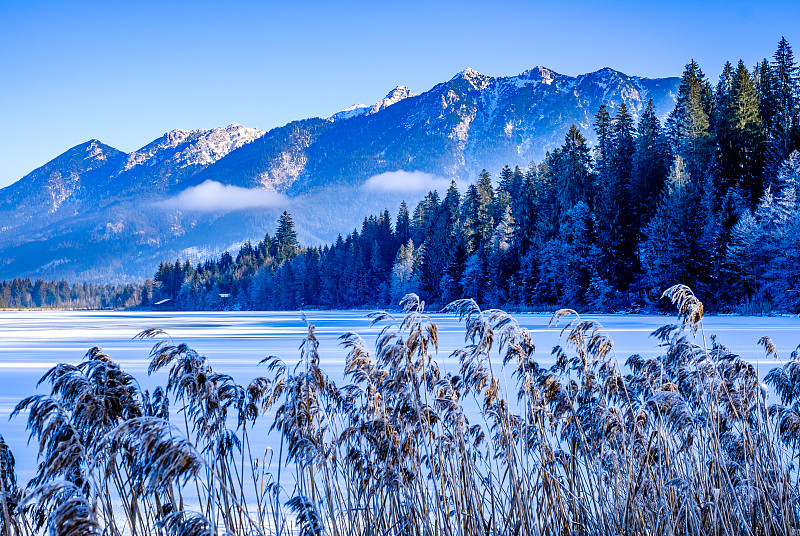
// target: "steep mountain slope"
[[97, 213], [54, 190], [272, 162]]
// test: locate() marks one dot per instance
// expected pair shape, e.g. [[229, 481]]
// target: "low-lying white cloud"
[[406, 181], [212, 196]]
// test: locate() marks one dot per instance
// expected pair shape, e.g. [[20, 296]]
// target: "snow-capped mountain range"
[[97, 213]]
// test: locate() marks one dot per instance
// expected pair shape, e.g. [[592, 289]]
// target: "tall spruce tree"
[[726, 171], [651, 161], [402, 226], [571, 168], [748, 134], [603, 150], [423, 214], [784, 130], [766, 96], [285, 238], [615, 225], [437, 250], [477, 213], [670, 247], [690, 123]]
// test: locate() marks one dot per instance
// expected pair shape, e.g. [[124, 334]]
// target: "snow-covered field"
[[32, 342]]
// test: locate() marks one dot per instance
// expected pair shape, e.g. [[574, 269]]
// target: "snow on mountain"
[[474, 78], [393, 97], [45, 189], [357, 110], [192, 147], [217, 143], [455, 129]]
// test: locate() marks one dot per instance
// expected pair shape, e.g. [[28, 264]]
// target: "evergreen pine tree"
[[726, 171], [523, 212], [669, 249], [748, 134], [499, 263], [602, 128], [650, 166], [285, 238], [616, 235], [437, 250], [766, 96], [477, 213], [422, 216], [568, 261], [739, 266], [404, 278], [784, 131], [402, 228], [571, 166], [690, 123]]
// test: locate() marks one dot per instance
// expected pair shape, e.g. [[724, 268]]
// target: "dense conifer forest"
[[39, 294], [708, 199]]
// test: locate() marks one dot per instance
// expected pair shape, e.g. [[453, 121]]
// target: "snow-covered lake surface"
[[32, 342]]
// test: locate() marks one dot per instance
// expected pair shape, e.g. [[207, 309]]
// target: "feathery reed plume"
[[70, 513], [308, 519], [690, 309], [186, 524], [154, 456]]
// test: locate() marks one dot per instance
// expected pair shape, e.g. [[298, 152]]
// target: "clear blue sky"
[[126, 72]]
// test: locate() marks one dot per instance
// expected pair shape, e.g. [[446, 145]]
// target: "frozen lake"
[[32, 342]]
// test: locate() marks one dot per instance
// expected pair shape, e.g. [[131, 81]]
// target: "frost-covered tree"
[[500, 264], [789, 173], [568, 262], [740, 258], [764, 248], [405, 277], [669, 250], [473, 280]]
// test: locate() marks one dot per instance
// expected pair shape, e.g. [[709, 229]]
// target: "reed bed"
[[684, 442]]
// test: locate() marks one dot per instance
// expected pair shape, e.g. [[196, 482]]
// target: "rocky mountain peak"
[[474, 78], [192, 147], [393, 97]]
